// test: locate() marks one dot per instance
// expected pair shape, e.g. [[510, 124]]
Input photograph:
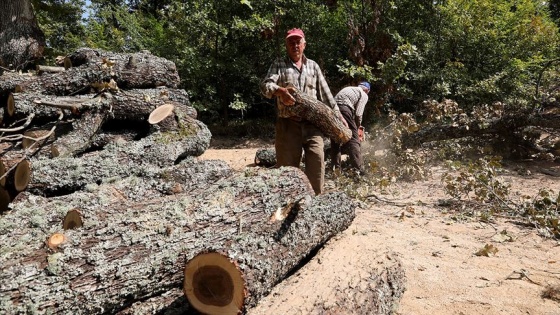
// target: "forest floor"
[[437, 249]]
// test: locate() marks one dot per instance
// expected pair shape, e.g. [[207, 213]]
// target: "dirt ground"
[[437, 249]]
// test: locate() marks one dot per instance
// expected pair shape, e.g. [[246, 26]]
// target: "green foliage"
[[61, 23], [478, 185], [477, 181]]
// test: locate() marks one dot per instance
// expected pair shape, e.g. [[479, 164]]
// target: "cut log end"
[[72, 220], [10, 105], [22, 175], [160, 113], [56, 240], [214, 284]]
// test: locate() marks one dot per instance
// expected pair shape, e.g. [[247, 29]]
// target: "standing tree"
[[21, 40]]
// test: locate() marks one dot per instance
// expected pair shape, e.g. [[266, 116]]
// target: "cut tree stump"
[[128, 252], [320, 115]]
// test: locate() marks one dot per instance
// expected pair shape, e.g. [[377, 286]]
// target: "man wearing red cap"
[[352, 101], [293, 133]]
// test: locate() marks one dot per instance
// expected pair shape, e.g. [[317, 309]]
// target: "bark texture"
[[321, 116], [134, 70], [21, 39], [116, 160], [131, 251]]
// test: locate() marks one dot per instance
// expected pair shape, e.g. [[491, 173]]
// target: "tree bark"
[[138, 70], [136, 104], [68, 174], [155, 72], [21, 40], [128, 252], [321, 115]]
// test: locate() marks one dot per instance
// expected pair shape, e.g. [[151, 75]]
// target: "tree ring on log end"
[[55, 240], [214, 284], [22, 175], [160, 113]]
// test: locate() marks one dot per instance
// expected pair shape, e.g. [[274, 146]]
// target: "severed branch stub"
[[72, 220], [214, 284]]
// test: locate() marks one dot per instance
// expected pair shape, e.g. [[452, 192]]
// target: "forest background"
[[473, 52]]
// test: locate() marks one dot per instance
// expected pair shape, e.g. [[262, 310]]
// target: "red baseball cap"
[[295, 32]]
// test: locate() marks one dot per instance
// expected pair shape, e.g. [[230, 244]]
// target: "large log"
[[321, 115], [135, 105], [128, 252], [149, 72], [137, 70], [117, 160]]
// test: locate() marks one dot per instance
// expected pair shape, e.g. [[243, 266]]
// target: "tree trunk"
[[21, 40], [68, 174], [131, 251], [138, 70], [321, 115]]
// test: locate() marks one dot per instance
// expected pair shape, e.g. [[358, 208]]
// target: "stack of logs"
[[106, 210]]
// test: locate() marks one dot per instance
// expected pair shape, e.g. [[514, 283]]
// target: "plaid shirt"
[[355, 98], [309, 80]]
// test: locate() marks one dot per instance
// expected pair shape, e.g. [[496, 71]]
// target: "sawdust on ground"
[[437, 249]]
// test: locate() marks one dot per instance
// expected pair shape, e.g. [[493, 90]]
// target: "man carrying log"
[[293, 133], [351, 101]]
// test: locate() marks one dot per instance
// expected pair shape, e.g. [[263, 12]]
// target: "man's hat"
[[365, 84], [295, 32]]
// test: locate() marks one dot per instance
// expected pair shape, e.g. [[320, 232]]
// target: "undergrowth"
[[473, 177]]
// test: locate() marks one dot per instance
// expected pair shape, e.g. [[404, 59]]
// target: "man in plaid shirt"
[[294, 134], [352, 101]]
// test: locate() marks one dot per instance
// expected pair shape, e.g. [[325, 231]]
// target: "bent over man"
[[351, 101]]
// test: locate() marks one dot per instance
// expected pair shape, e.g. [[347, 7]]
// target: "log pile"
[[105, 209], [103, 113]]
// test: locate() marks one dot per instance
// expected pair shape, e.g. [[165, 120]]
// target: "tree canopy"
[[475, 52]]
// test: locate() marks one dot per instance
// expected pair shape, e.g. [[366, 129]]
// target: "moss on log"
[[130, 251], [117, 160], [131, 70]]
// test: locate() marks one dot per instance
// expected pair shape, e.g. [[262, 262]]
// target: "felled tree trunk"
[[80, 138], [149, 72], [321, 115], [134, 70], [127, 252], [141, 185], [124, 104], [117, 159]]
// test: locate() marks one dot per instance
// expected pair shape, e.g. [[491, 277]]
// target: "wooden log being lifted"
[[321, 115]]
